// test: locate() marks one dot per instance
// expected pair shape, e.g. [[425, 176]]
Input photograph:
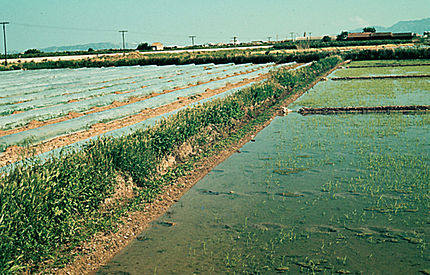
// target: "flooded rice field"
[[345, 194], [377, 92]]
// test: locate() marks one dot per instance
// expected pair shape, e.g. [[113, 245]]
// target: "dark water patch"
[[217, 171], [208, 192], [165, 223], [287, 194], [304, 156], [288, 171], [265, 158], [216, 193], [142, 238], [323, 229]]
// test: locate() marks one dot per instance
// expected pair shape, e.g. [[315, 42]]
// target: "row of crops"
[[49, 94], [316, 194]]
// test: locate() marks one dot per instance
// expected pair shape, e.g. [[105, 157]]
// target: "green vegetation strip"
[[230, 56], [361, 110], [379, 77], [322, 44], [387, 65], [49, 208]]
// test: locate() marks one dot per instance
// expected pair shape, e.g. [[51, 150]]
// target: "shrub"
[[32, 51]]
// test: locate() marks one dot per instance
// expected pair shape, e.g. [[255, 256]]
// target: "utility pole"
[[192, 39], [268, 38], [310, 36], [4, 38], [123, 40], [292, 36], [234, 40]]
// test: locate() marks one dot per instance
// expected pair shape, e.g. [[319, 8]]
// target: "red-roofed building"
[[379, 36]]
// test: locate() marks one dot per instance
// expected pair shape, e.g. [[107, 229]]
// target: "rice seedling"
[[378, 196]]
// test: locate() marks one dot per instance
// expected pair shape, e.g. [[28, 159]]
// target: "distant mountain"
[[84, 47], [417, 26]]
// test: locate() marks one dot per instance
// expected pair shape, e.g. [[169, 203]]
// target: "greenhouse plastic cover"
[[83, 122], [16, 120], [125, 130]]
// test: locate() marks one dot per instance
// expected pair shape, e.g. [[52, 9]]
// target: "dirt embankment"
[[364, 110], [380, 77], [387, 66], [100, 249]]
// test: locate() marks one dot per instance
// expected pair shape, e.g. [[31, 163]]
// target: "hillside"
[[84, 47], [417, 26]]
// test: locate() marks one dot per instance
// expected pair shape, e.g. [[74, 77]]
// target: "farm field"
[[81, 204], [375, 92], [345, 194], [55, 108]]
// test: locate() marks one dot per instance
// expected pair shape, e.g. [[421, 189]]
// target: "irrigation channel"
[[345, 194]]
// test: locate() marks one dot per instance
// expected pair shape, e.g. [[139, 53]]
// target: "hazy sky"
[[44, 23]]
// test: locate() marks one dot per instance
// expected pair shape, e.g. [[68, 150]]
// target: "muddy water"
[[324, 194], [346, 194]]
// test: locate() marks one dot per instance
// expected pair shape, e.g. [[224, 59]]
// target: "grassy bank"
[[388, 54], [49, 208], [315, 44]]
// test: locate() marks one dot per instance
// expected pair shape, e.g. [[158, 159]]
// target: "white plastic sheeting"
[[83, 122], [153, 86], [58, 96], [125, 130]]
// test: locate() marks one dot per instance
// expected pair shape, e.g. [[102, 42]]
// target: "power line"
[[4, 38], [192, 39], [157, 34], [234, 40], [123, 39], [91, 30]]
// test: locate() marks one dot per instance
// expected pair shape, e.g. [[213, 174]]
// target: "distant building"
[[404, 35], [259, 42], [301, 38], [359, 36], [380, 36], [157, 46]]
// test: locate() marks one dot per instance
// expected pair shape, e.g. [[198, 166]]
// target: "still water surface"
[[316, 194]]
